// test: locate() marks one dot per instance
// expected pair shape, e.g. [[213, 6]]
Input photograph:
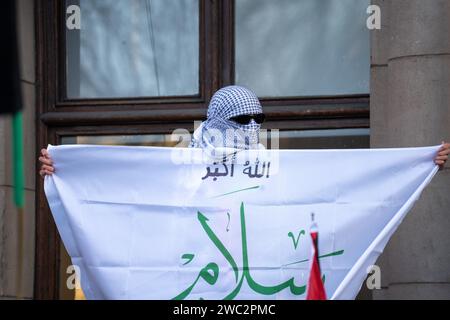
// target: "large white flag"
[[159, 223]]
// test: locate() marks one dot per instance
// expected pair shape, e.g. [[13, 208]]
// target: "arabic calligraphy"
[[256, 173], [210, 273], [188, 257], [290, 234], [259, 170], [217, 173]]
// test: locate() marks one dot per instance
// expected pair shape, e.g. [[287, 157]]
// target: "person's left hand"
[[442, 155]]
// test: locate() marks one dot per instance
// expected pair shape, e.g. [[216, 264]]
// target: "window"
[[133, 48], [138, 69], [302, 48]]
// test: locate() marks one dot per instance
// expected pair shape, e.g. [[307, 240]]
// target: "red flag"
[[316, 290]]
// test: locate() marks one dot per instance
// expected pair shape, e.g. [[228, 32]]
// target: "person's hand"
[[442, 155], [47, 164]]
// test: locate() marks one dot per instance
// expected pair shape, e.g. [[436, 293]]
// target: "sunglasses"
[[246, 118]]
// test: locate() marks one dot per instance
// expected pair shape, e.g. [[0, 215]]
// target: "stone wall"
[[8, 221], [410, 106]]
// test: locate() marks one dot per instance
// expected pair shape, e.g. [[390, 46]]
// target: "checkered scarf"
[[220, 132]]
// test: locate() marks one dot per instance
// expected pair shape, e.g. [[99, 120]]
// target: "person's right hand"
[[47, 164]]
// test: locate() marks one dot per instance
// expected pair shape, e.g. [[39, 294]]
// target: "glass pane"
[[302, 47], [155, 140], [132, 48], [319, 139]]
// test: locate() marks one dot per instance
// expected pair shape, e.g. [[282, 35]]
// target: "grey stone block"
[[379, 113], [414, 291], [9, 269], [419, 101], [379, 39], [29, 137], [419, 27], [26, 39], [5, 129]]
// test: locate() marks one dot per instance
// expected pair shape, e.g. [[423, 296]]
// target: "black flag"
[[10, 77]]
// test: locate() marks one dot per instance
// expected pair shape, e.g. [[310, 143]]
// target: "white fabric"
[[140, 225]]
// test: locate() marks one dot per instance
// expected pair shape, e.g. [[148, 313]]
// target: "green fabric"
[[17, 137]]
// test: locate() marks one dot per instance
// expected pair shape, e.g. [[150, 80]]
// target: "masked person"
[[233, 122]]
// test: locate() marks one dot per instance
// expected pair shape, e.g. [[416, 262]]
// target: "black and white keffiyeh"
[[219, 132]]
